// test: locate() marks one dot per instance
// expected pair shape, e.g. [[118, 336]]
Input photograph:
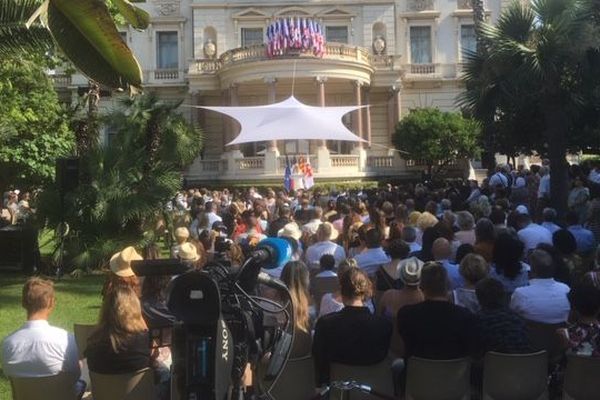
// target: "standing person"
[[353, 335], [578, 198], [437, 329], [38, 349]]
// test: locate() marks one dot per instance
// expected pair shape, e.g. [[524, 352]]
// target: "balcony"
[[431, 72], [61, 81], [164, 76], [252, 63]]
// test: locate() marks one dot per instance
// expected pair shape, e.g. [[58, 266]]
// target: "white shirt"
[[594, 175], [544, 188], [326, 274], [544, 300], [312, 226], [212, 218], [38, 349], [551, 226], [317, 250], [371, 259], [534, 234]]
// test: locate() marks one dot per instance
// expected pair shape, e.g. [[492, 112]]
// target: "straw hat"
[[188, 252], [328, 231], [182, 233], [290, 230], [120, 263], [410, 271]]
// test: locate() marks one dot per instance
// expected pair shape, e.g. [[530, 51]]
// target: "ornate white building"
[[394, 55]]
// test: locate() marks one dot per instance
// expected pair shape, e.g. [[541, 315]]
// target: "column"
[[272, 152], [233, 152], [367, 111], [358, 127], [323, 156], [358, 121], [321, 99], [271, 98]]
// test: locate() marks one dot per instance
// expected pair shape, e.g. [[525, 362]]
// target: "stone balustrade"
[[166, 74], [333, 51], [344, 161], [61, 80], [380, 162], [250, 163]]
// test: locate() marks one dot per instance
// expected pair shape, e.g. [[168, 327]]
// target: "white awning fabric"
[[289, 120]]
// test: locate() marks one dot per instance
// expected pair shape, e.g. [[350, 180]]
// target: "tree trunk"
[[557, 125], [87, 128]]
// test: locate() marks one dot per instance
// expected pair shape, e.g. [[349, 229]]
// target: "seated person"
[[327, 266], [473, 268], [121, 273], [388, 275], [326, 237], [394, 299], [437, 329], [373, 256], [353, 335], [181, 236], [583, 336], [38, 349], [544, 300], [295, 275], [120, 343], [500, 328]]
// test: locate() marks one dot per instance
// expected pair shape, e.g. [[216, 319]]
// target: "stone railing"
[[333, 51], [422, 69], [166, 74], [210, 165], [423, 163], [61, 80], [250, 163], [380, 162], [343, 161]]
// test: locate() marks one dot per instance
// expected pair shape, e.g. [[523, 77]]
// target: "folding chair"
[[515, 376], [137, 385], [438, 379]]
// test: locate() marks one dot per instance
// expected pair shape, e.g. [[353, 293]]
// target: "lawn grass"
[[77, 301]]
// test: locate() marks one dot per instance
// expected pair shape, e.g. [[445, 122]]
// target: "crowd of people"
[[435, 272]]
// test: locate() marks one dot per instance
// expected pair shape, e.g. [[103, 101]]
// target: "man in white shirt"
[[310, 228], [544, 188], [211, 214], [373, 256], [326, 234], [549, 215], [531, 234], [544, 300], [38, 349]]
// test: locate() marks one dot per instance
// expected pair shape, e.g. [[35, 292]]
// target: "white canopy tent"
[[289, 120]]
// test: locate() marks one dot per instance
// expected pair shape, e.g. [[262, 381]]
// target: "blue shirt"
[[456, 280], [371, 259], [586, 242]]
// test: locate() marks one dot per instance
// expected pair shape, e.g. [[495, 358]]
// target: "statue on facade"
[[379, 45], [210, 49]]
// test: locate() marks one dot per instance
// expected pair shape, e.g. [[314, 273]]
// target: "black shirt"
[[437, 330], [134, 355], [277, 224], [503, 331], [352, 336]]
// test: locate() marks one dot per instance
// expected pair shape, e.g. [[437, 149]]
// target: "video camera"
[[223, 325]]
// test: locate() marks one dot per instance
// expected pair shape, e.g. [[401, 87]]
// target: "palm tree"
[[83, 30], [536, 54]]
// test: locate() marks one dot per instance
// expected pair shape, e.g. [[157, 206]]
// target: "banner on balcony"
[[289, 120], [295, 33]]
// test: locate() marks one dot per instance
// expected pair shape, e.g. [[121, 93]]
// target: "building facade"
[[393, 55]]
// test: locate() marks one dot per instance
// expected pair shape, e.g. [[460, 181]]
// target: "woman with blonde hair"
[[120, 343], [296, 276]]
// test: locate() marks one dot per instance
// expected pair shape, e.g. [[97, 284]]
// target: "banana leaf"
[[86, 33], [137, 17]]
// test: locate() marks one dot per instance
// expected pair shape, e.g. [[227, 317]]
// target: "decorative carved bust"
[[379, 45], [210, 49], [420, 5]]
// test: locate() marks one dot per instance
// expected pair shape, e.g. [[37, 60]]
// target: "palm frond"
[[15, 37]]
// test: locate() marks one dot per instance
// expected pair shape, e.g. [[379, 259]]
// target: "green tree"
[[541, 59], [437, 137], [127, 187], [33, 127]]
